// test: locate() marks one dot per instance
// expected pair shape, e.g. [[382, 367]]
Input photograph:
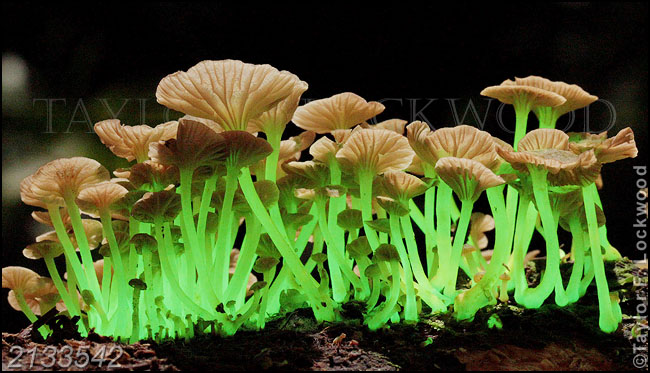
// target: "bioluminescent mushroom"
[[229, 92], [576, 98], [523, 98], [167, 225], [132, 142]]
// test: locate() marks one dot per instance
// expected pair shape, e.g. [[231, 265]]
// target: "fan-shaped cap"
[[132, 142], [324, 149], [43, 249], [228, 92], [395, 125], [312, 174], [19, 279], [511, 93], [165, 204], [376, 151], [359, 248], [243, 149], [277, 117], [549, 149], [461, 142], [144, 241], [467, 177], [100, 197], [153, 175], [479, 224], [195, 145], [61, 178], [350, 219], [575, 96], [607, 150], [40, 299], [386, 253], [401, 186], [341, 111], [43, 217]]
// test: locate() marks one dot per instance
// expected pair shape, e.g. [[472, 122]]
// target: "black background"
[[411, 53]]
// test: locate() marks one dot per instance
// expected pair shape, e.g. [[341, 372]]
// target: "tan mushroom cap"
[[228, 92], [40, 299], [43, 249], [375, 151], [401, 186], [216, 127], [341, 111], [479, 224], [153, 175], [467, 177], [19, 279], [43, 217], [324, 149], [243, 149], [277, 118], [195, 145], [100, 197], [607, 150], [132, 142], [165, 204], [395, 125], [575, 96], [61, 178], [549, 149], [294, 145], [461, 142], [510, 93], [313, 174]]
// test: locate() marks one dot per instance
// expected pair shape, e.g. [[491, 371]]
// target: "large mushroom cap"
[[38, 250], [549, 149], [607, 150], [467, 177], [243, 149], [132, 142], [401, 186], [228, 92], [511, 93], [575, 96], [19, 279], [376, 151], [165, 204], [195, 145], [60, 179], [99, 197], [277, 118], [341, 111], [461, 142]]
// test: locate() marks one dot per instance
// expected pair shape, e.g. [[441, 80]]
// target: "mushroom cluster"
[[219, 223]]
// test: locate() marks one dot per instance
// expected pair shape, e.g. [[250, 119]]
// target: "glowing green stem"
[[84, 249], [380, 318], [166, 258], [534, 297], [28, 312], [206, 198], [237, 286], [410, 308], [222, 252], [428, 294], [365, 190], [73, 307], [206, 282], [607, 320], [291, 259], [116, 257], [457, 249], [443, 225], [522, 109]]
